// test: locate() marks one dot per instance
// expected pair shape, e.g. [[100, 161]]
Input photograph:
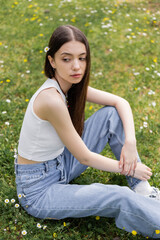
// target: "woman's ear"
[[52, 62]]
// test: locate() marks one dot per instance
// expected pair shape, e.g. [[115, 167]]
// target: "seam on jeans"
[[119, 140], [135, 215], [90, 209], [112, 132], [38, 169], [100, 137], [29, 171]]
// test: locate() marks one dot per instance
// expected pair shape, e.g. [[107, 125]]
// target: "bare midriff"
[[22, 160]]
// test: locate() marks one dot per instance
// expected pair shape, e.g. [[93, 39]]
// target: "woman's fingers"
[[131, 170], [121, 161], [141, 171]]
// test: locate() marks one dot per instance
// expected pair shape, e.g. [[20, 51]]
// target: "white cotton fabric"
[[39, 140]]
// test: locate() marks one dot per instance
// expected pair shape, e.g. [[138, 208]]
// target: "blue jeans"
[[46, 191]]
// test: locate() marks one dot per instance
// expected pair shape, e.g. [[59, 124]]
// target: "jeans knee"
[[110, 108], [126, 195], [112, 111], [114, 120]]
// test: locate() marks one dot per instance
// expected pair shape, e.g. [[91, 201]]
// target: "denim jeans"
[[45, 191]]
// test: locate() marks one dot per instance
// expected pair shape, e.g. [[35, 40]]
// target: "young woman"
[[56, 146]]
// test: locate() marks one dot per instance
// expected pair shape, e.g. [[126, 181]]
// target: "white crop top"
[[39, 140]]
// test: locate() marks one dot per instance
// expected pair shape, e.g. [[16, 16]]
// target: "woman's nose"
[[75, 65]]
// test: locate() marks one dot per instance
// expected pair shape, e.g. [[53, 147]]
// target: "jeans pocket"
[[30, 186], [31, 179]]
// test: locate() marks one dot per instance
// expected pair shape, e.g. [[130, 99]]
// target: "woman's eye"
[[82, 59], [66, 59]]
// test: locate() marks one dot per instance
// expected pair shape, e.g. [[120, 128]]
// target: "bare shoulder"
[[53, 109], [48, 102]]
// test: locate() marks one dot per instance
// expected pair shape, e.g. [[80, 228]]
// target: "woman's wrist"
[[131, 141]]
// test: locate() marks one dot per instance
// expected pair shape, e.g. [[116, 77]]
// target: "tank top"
[[39, 140]]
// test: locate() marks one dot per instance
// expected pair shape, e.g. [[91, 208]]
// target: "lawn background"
[[124, 40]]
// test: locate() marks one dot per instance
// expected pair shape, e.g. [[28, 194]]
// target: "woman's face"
[[69, 62]]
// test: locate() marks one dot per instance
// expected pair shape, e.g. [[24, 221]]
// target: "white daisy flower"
[[19, 195], [6, 200], [16, 205], [24, 232], [8, 100], [44, 227], [39, 225], [145, 124], [46, 49], [153, 103], [151, 92], [4, 112], [13, 200], [136, 73], [7, 123]]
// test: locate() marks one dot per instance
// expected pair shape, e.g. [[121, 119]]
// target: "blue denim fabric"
[[47, 193]]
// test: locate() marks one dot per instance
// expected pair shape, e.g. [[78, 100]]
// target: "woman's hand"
[[128, 158], [142, 172]]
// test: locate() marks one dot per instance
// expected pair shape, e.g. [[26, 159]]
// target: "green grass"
[[124, 40]]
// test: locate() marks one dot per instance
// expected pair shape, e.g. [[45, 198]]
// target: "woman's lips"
[[76, 75]]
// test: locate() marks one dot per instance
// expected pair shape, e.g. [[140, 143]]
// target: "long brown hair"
[[77, 93]]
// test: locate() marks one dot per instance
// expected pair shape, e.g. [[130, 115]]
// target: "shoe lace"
[[155, 193]]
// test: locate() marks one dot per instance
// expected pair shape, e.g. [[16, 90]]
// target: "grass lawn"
[[124, 37]]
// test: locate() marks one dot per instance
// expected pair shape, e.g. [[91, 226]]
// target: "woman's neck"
[[64, 85]]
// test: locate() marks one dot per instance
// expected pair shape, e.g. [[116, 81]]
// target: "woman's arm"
[[51, 107], [128, 159]]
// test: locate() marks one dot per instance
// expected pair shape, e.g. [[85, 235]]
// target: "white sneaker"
[[155, 194]]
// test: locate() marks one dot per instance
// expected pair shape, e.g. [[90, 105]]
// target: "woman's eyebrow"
[[66, 53]]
